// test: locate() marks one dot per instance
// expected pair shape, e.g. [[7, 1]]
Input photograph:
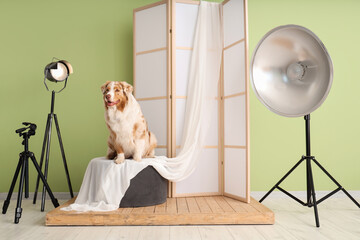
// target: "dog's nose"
[[108, 96]]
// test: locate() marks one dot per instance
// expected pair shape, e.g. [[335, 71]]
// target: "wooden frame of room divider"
[[163, 16]]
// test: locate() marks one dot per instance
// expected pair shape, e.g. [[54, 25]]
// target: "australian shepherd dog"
[[129, 133]]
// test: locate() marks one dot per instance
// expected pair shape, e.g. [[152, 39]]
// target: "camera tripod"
[[310, 189], [24, 177]]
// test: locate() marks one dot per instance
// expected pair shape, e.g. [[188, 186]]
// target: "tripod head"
[[31, 127]]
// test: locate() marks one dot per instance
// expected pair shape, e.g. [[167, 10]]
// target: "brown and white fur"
[[129, 134]]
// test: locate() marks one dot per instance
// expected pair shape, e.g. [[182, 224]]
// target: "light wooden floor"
[[339, 219]]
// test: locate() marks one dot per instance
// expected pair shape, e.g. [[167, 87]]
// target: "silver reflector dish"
[[291, 71]]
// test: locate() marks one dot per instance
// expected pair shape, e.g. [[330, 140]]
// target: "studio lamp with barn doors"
[[58, 72], [291, 74]]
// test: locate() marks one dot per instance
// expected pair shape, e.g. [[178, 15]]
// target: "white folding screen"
[[204, 180], [235, 90], [151, 64], [163, 41]]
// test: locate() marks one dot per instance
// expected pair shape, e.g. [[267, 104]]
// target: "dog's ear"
[[103, 87], [127, 87]]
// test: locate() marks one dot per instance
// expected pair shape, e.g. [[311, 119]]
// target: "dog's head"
[[116, 94]]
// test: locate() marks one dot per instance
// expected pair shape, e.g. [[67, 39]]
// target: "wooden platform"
[[176, 211]]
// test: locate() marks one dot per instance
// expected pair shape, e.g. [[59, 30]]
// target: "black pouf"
[[147, 188]]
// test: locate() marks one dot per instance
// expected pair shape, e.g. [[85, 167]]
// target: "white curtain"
[[105, 183]]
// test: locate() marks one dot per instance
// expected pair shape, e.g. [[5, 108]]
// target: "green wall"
[[96, 37]]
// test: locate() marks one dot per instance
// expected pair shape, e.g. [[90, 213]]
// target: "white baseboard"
[[255, 194], [302, 194], [58, 195]]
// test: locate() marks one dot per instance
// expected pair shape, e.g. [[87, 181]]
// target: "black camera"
[[30, 126]]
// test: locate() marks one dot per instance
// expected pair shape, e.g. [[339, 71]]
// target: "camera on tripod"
[[31, 127], [23, 166]]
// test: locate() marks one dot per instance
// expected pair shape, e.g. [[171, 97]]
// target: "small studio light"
[[58, 71]]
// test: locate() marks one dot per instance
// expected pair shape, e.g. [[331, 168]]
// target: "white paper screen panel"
[[212, 135], [233, 14], [235, 121], [234, 69], [186, 17], [150, 31], [235, 103], [151, 74], [180, 119], [155, 113], [160, 152], [205, 178], [183, 60], [235, 176]]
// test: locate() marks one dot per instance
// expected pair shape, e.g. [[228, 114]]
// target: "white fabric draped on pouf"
[[105, 182]]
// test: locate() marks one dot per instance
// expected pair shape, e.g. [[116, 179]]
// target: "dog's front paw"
[[120, 158], [137, 157]]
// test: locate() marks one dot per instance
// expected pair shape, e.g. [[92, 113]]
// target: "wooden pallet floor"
[[175, 211]]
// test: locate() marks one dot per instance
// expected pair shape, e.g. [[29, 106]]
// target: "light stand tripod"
[[46, 143], [24, 177], [311, 199]]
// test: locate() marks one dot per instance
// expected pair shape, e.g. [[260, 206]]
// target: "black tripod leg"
[[46, 163], [53, 199], [282, 179], [338, 184], [63, 156], [352, 199], [26, 165], [308, 183], [311, 179], [18, 209], [42, 156], [7, 201]]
